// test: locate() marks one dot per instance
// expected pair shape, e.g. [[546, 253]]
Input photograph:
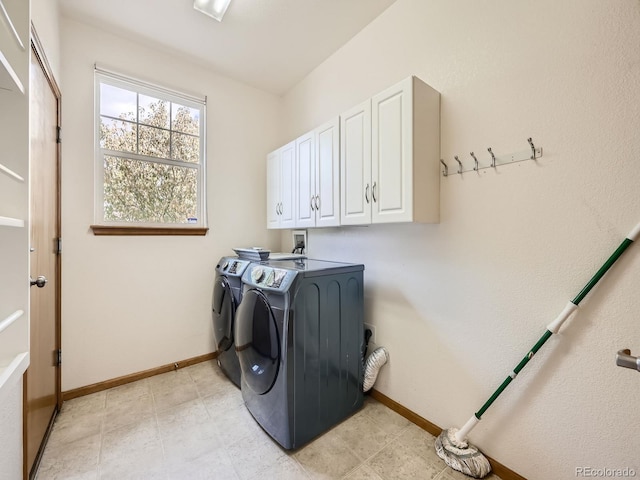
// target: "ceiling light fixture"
[[213, 8]]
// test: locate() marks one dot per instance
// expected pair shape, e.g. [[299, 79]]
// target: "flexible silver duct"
[[372, 366]]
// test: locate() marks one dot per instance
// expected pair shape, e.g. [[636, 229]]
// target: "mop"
[[452, 445]]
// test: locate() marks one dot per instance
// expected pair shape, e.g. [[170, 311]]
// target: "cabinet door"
[[287, 185], [327, 201], [305, 182], [392, 154], [273, 189], [355, 165]]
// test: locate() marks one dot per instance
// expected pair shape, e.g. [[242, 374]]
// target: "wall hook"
[[625, 359], [459, 163], [531, 153], [445, 172], [493, 158], [475, 160], [533, 148]]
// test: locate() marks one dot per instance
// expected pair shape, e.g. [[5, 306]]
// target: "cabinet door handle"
[[312, 206], [281, 208], [366, 193], [317, 202], [373, 192]]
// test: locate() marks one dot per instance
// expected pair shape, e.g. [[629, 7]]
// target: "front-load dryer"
[[227, 295], [299, 339]]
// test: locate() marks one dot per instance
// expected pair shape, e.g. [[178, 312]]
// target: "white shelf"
[[11, 173], [8, 77], [10, 25], [11, 222], [10, 319], [12, 369], [15, 24]]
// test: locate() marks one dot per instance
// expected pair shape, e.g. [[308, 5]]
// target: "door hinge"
[[59, 357], [59, 245], [58, 134]]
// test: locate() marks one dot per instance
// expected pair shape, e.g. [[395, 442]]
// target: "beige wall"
[[134, 303], [458, 304]]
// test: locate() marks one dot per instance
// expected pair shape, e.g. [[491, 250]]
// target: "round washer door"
[[257, 342], [224, 311]]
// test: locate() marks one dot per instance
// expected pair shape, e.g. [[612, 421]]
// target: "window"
[[149, 155]]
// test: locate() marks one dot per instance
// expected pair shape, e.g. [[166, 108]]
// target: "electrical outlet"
[[373, 332], [300, 241]]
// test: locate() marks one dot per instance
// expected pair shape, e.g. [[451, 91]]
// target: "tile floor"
[[192, 424]]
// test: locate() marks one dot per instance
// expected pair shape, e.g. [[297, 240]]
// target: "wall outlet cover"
[[300, 240]]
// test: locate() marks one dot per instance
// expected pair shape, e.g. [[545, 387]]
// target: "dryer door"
[[224, 311], [257, 342]]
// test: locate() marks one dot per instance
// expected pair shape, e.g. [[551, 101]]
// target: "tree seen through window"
[[151, 156]]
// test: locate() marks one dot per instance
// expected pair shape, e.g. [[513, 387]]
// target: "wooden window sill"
[[125, 230]]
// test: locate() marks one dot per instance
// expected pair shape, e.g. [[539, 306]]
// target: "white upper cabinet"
[[305, 181], [327, 171], [273, 189], [281, 187], [397, 180], [318, 177], [355, 165], [287, 185], [376, 163]]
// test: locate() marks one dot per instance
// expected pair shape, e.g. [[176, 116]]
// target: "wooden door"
[[42, 380], [355, 165]]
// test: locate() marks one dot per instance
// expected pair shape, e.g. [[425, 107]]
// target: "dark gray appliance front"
[[299, 346], [227, 295]]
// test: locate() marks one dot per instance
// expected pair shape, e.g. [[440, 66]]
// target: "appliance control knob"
[[257, 274], [225, 265], [270, 277]]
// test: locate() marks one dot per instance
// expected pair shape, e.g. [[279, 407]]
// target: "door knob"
[[39, 282]]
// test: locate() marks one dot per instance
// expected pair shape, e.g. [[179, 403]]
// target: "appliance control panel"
[[232, 266], [264, 276]]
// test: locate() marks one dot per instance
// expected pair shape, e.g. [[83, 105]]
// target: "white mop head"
[[461, 456]]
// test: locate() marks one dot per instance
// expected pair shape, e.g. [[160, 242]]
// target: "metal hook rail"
[[533, 153], [625, 359]]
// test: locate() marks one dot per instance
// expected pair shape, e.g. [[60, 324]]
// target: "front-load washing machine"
[[227, 295], [299, 342]]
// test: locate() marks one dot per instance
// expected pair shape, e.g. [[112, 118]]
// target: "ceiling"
[[270, 44]]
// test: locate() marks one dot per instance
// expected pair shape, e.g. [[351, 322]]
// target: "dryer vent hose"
[[372, 366]]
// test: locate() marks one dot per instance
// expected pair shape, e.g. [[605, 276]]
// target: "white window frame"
[[104, 76]]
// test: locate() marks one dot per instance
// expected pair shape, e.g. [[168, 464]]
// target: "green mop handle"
[[552, 328]]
